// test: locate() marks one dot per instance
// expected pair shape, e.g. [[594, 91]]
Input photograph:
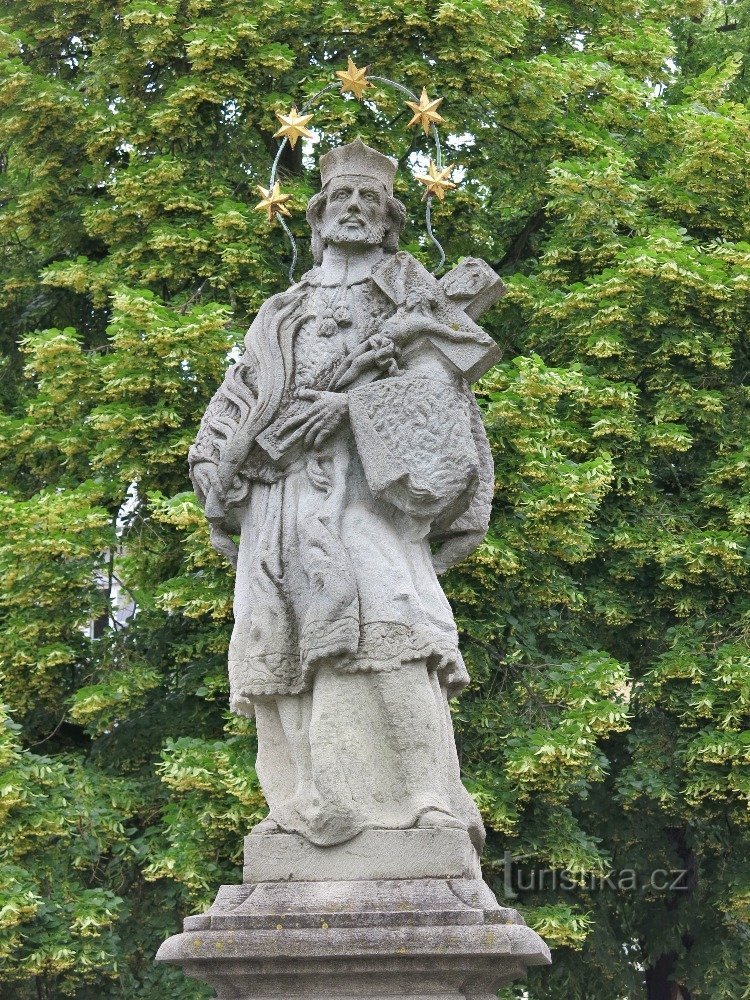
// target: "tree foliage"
[[605, 153]]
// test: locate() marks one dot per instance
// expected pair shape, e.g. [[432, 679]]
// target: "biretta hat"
[[358, 160]]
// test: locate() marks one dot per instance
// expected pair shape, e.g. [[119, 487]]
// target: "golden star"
[[273, 202], [425, 113], [436, 180], [353, 79], [293, 126]]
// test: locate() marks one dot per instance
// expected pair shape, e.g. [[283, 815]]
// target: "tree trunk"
[[660, 985]]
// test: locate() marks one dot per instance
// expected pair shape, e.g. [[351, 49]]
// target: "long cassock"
[[344, 645]]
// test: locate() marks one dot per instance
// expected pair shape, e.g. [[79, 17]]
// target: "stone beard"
[[347, 451]]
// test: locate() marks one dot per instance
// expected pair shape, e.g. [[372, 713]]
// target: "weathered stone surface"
[[404, 937], [385, 903], [372, 854], [474, 285], [445, 977]]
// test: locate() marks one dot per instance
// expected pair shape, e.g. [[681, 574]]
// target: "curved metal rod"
[[272, 180], [318, 94], [428, 219], [438, 149], [282, 145], [398, 86], [438, 162], [290, 236], [433, 126], [287, 230]]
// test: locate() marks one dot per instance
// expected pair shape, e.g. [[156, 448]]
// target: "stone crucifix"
[[346, 450]]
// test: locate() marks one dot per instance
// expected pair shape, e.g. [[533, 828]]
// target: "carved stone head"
[[356, 205]]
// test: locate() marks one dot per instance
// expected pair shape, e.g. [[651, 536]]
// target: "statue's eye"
[[340, 196]]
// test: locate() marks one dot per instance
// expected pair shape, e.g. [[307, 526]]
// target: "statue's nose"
[[353, 208]]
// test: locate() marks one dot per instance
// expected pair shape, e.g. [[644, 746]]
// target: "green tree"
[[604, 152]]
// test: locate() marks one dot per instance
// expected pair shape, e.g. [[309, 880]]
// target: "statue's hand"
[[406, 326], [318, 421], [376, 355], [204, 479]]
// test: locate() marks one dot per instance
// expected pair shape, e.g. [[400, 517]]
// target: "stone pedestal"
[[353, 922]]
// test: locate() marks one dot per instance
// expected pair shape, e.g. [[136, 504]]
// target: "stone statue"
[[347, 450]]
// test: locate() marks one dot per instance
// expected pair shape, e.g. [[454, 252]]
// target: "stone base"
[[427, 939], [371, 855]]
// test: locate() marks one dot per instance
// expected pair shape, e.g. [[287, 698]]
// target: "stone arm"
[[231, 401], [220, 479]]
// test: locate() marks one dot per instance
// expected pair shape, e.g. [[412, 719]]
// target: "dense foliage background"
[[606, 620]]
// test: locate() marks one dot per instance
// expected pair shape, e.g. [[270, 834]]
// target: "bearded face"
[[355, 212]]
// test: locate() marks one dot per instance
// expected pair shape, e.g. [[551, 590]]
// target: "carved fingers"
[[376, 355], [203, 478], [317, 421], [406, 326]]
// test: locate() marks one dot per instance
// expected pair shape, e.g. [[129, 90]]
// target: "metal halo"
[[438, 162]]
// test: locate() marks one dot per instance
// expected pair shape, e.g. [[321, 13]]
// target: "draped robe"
[[344, 645]]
